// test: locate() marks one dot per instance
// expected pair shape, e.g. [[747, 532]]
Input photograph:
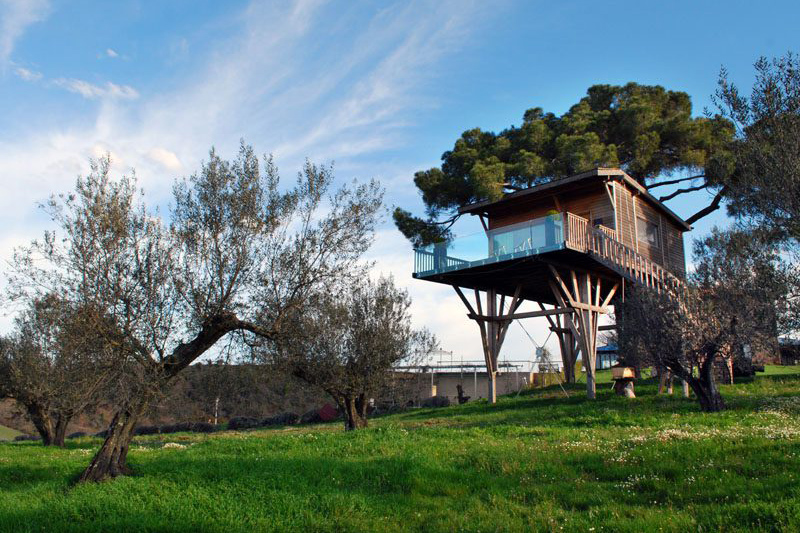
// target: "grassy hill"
[[8, 433], [539, 461]]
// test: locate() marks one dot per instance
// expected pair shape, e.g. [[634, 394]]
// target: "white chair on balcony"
[[524, 245]]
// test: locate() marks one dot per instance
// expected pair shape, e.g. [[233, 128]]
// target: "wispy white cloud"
[[110, 52], [291, 82], [15, 17], [27, 74], [92, 91]]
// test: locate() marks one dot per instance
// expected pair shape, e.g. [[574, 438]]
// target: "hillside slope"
[[8, 433], [539, 462]]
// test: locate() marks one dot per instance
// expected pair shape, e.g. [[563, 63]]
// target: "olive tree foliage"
[[348, 340], [765, 189], [238, 256], [748, 266], [735, 298], [54, 365], [646, 130]]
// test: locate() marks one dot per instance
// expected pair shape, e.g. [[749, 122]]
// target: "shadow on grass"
[[176, 490], [12, 475]]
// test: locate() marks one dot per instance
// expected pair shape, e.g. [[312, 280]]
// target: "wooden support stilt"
[[491, 356], [566, 340], [585, 297], [493, 328]]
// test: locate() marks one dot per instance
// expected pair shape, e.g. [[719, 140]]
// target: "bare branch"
[[713, 206], [682, 191], [673, 182]]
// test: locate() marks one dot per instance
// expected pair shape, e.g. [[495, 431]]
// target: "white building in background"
[[442, 371]]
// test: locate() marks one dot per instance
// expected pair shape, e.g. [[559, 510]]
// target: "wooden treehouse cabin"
[[570, 246]]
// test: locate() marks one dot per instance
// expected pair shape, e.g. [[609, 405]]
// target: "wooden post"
[[584, 296], [491, 355], [588, 320], [493, 327], [566, 343]]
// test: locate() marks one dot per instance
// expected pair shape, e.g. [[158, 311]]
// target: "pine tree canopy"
[[644, 129]]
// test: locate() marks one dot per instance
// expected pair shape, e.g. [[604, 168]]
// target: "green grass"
[[8, 433], [539, 461]]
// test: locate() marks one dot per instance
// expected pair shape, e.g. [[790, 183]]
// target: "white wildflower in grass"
[[82, 451]]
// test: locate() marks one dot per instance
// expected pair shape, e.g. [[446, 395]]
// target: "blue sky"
[[381, 88]]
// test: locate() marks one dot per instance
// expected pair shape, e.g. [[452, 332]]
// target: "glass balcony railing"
[[527, 238]]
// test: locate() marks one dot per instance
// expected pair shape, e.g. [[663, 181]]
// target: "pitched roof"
[[599, 173]]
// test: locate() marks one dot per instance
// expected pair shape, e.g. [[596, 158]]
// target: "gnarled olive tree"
[[347, 342], [54, 365], [238, 256]]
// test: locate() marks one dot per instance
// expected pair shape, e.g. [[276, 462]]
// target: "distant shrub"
[[390, 409], [436, 401], [76, 435], [311, 417], [243, 422], [27, 437], [204, 427], [282, 419], [146, 430], [103, 434], [176, 428]]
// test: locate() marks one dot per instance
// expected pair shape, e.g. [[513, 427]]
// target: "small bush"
[[282, 419], [177, 428], [243, 422], [436, 401], [146, 430], [102, 434], [390, 409], [311, 417], [27, 437], [204, 427], [76, 435]]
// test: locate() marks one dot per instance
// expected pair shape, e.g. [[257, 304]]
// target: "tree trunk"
[[111, 460], [705, 388], [61, 430], [43, 422], [355, 412], [664, 381]]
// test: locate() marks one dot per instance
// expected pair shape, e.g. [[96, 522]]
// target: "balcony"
[[528, 238], [560, 231]]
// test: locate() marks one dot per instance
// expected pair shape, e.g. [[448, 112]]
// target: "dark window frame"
[[648, 232]]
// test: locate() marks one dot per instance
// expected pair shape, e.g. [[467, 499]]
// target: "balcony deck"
[[522, 255]]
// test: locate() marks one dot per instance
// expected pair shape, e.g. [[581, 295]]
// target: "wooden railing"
[[608, 231], [576, 233], [602, 243]]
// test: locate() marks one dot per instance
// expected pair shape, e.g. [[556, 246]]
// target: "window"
[[648, 232]]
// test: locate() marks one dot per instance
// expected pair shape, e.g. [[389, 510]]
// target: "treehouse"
[[571, 246]]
